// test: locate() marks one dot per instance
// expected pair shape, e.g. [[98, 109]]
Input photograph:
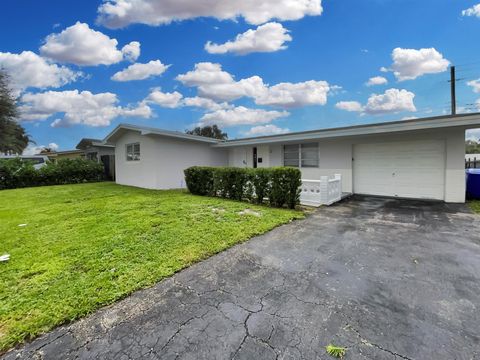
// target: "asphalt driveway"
[[389, 279]]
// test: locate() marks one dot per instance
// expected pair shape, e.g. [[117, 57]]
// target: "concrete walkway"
[[388, 279]]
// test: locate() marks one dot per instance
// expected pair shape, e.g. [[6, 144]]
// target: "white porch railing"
[[325, 191]]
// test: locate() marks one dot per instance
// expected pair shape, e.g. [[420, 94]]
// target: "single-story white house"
[[419, 158]]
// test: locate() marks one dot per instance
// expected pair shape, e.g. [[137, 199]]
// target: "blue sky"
[[302, 69]]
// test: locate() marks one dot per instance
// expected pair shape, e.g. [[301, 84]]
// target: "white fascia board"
[[401, 126], [153, 131], [179, 136]]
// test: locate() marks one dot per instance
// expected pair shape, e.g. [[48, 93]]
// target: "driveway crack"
[[377, 346]]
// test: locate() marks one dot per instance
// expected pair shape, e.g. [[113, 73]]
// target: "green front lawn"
[[475, 206], [84, 246]]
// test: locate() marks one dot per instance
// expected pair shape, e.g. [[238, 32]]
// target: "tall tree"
[[208, 131], [472, 147], [13, 138]]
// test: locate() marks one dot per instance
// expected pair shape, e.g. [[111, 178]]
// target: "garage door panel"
[[414, 169]]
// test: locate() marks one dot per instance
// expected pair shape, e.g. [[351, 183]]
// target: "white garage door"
[[411, 169]]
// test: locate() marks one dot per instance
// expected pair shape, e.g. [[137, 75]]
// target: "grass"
[[475, 206], [335, 351], [85, 246]]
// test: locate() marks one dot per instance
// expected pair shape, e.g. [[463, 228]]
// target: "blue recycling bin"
[[473, 183]]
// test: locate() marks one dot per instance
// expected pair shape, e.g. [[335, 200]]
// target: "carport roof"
[[463, 120]]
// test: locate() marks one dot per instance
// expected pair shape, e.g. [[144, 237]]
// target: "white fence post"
[[325, 191]]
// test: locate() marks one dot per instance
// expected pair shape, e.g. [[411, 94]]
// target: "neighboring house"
[[91, 149], [67, 154], [420, 158], [96, 150], [70, 154]]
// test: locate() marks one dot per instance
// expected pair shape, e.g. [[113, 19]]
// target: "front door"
[[254, 157]]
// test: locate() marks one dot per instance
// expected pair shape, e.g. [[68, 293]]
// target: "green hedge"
[[17, 173], [280, 185]]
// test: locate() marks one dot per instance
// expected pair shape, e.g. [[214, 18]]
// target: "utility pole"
[[452, 90]]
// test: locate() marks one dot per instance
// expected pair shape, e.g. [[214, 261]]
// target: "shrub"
[[17, 173], [277, 195], [281, 184], [68, 171], [199, 180], [293, 182], [260, 179], [230, 182]]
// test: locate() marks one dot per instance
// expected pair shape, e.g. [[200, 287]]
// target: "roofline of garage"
[[462, 120]]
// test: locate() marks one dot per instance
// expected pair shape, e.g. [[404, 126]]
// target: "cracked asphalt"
[[388, 279]]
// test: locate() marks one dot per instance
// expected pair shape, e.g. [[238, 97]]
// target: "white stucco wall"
[[335, 157], [162, 160]]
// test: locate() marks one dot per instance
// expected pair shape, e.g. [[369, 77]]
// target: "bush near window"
[[17, 173], [281, 185]]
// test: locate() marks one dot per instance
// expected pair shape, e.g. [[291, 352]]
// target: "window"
[[291, 155], [309, 155], [133, 152], [92, 156], [303, 155]]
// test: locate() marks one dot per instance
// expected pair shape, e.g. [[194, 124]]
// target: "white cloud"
[[205, 103], [214, 83], [376, 80], [269, 129], [269, 37], [295, 94], [473, 11], [168, 100], [74, 107], [141, 71], [80, 45], [473, 134], [408, 64], [120, 13], [27, 69], [131, 51], [205, 73], [392, 101], [35, 149], [250, 87], [241, 115], [175, 100], [349, 106], [140, 110], [475, 84]]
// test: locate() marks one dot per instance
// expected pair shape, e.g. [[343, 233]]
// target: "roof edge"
[[357, 129], [144, 130]]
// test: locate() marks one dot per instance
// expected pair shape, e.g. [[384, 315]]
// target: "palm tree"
[[13, 138]]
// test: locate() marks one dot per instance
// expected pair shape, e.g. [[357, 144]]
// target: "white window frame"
[[135, 156], [300, 165]]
